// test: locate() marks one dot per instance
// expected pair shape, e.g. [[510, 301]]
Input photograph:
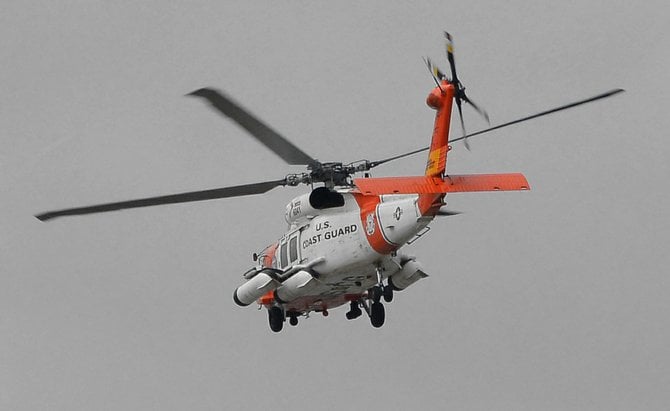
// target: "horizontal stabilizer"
[[436, 185]]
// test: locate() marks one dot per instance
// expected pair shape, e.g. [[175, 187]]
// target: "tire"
[[377, 314], [293, 320], [388, 293], [276, 319]]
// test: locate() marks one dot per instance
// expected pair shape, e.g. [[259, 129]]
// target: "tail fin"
[[440, 99]]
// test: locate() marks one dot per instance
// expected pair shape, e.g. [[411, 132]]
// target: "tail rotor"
[[460, 95]]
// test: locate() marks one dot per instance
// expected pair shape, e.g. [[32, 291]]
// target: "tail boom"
[[440, 99]]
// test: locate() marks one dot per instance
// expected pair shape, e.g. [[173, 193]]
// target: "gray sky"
[[555, 298]]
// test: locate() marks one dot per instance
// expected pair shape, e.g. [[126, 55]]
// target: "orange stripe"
[[370, 223], [436, 158]]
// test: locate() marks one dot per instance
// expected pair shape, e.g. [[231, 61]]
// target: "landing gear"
[[374, 309], [375, 293], [388, 293], [354, 311], [377, 314], [371, 302], [380, 290], [293, 319], [276, 318]]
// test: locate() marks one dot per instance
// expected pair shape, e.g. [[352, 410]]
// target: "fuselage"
[[342, 242], [347, 247], [342, 245]]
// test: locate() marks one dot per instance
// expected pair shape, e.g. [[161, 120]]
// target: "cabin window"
[[283, 255], [293, 248]]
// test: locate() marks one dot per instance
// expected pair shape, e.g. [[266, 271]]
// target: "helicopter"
[[344, 237]]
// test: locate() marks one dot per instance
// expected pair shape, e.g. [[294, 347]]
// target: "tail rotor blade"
[[478, 109], [434, 71], [459, 95], [450, 57], [460, 116]]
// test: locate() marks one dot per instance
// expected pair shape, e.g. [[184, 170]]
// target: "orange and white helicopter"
[[344, 236]]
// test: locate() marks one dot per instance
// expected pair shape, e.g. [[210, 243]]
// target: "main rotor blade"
[[263, 133], [374, 164], [235, 191], [543, 113], [448, 213]]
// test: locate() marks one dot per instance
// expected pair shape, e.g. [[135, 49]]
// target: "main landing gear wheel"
[[377, 314], [276, 319], [388, 293], [375, 293]]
